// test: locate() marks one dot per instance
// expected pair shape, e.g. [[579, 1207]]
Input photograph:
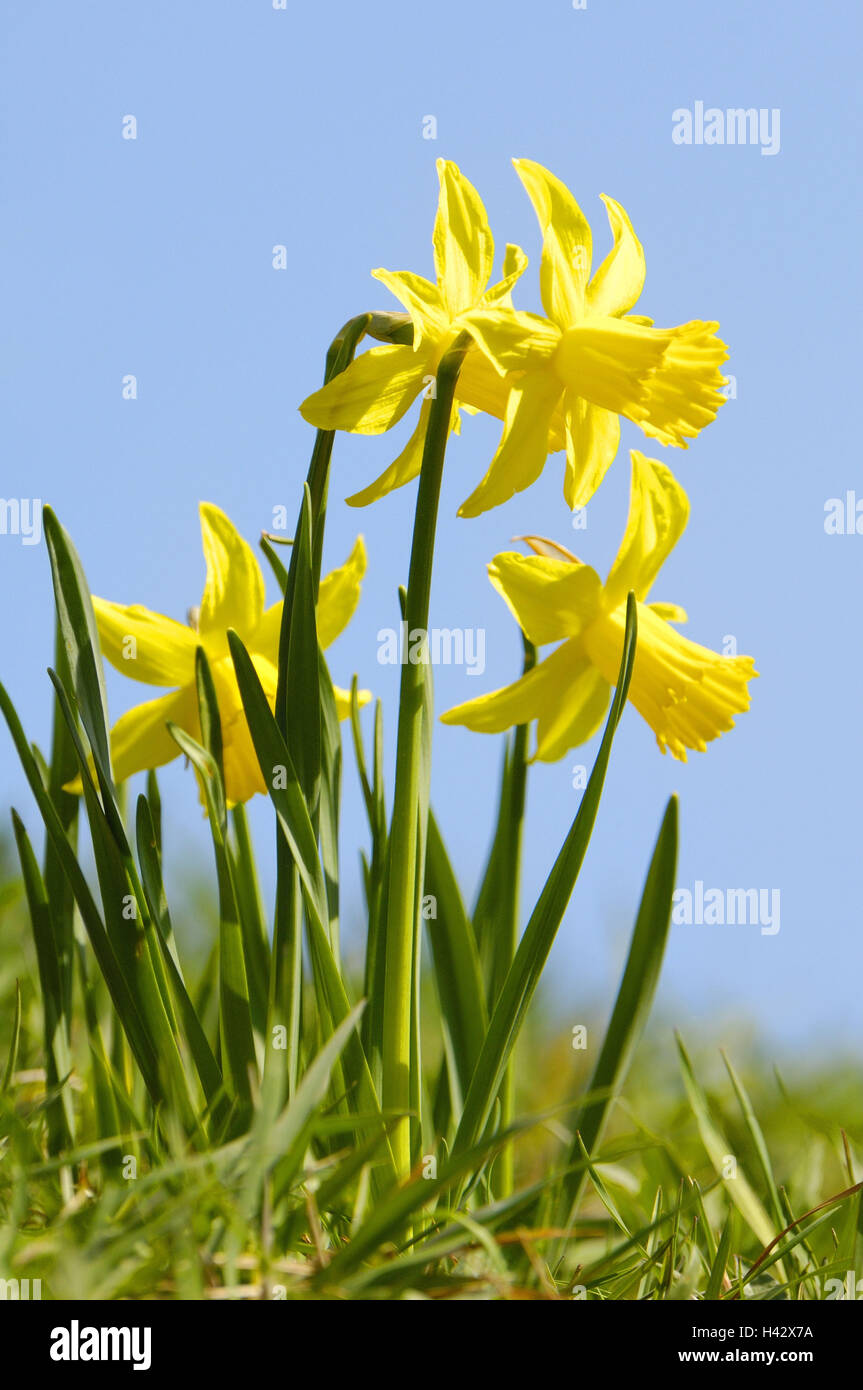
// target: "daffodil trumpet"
[[688, 694]]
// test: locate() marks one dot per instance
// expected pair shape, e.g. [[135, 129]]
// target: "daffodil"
[[686, 693], [379, 387], [159, 651], [589, 359]]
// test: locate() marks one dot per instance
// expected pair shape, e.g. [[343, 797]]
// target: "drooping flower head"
[[590, 358], [160, 651], [686, 693], [380, 385]]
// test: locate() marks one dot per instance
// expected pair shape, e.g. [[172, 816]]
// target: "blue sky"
[[304, 127]]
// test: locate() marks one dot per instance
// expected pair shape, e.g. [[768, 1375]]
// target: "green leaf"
[[206, 1065], [235, 1020], [61, 1118], [455, 960], [115, 978], [632, 1005], [12, 1059], [299, 679], [523, 977]]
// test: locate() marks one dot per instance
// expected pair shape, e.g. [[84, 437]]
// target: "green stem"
[[405, 850], [339, 355], [285, 990]]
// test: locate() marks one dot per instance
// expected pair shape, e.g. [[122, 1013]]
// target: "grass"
[[272, 1120]]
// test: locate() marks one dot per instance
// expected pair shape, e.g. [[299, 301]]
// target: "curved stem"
[[401, 927]]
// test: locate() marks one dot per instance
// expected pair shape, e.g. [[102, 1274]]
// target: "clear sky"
[[305, 127]]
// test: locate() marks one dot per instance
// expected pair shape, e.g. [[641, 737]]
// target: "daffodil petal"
[[423, 302], [480, 386], [619, 281], [370, 395], [688, 694], [403, 469], [592, 437], [339, 594], [269, 632], [566, 243], [523, 449], [140, 738], [234, 590], [666, 380], [519, 703], [145, 645], [514, 266], [549, 598], [343, 700], [463, 243], [658, 513], [563, 692], [669, 612], [578, 712], [512, 340]]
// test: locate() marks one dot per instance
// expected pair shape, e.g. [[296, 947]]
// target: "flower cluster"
[[558, 382]]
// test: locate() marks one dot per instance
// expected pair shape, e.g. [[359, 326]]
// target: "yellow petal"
[[658, 513], [566, 243], [578, 712], [592, 437], [620, 279], [564, 693], [514, 266], [234, 591], [666, 380], [343, 700], [403, 469], [140, 739], [339, 594], [512, 340], [480, 386], [463, 243], [523, 448], [549, 598], [686, 693], [370, 395], [670, 612], [424, 303], [144, 645]]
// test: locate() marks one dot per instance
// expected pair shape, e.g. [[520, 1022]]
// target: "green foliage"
[[262, 1124]]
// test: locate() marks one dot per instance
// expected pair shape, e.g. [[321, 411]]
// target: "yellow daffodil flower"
[[590, 358], [379, 387], [686, 693], [160, 651]]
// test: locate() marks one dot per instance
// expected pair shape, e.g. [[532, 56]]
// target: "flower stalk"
[[405, 857]]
